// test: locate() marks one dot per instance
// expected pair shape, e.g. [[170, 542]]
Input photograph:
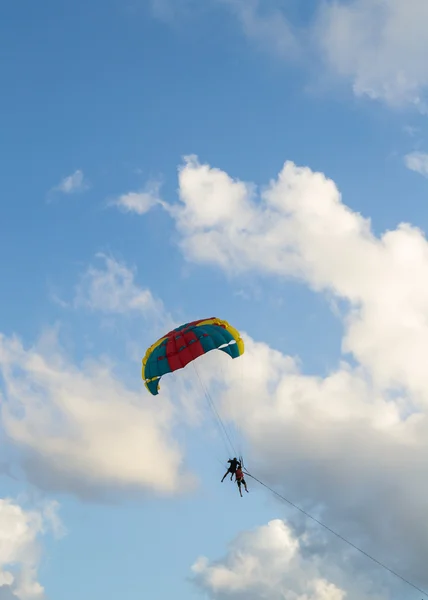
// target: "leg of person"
[[239, 487], [245, 485], [226, 474]]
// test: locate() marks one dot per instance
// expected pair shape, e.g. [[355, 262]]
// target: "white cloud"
[[380, 45], [20, 548], [112, 289], [271, 562], [140, 202], [301, 228], [80, 429], [418, 162], [72, 184]]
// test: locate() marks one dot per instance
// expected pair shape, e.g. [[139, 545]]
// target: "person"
[[234, 463], [239, 477]]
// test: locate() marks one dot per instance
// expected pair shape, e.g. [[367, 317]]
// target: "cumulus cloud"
[[300, 228], [418, 162], [72, 184], [111, 288], [81, 430], [272, 562], [142, 201], [380, 46], [20, 548]]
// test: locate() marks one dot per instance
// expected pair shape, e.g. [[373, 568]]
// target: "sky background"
[[263, 162]]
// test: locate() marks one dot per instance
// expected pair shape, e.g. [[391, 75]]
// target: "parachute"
[[184, 344]]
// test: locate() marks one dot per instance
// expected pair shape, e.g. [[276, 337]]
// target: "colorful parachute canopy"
[[182, 345]]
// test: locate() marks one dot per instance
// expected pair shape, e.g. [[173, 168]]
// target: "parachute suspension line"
[[237, 421], [235, 429], [222, 428], [338, 535], [230, 436], [212, 409]]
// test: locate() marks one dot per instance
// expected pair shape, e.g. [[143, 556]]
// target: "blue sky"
[[101, 100]]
